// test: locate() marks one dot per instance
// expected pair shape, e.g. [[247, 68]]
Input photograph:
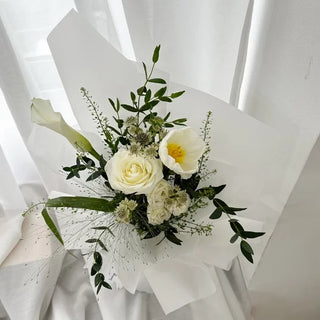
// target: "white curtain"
[[261, 56]]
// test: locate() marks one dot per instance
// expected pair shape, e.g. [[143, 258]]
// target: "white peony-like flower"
[[157, 215], [180, 151], [43, 114], [132, 173]]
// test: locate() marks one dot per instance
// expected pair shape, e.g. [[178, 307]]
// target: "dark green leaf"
[[124, 141], [106, 285], [94, 175], [101, 244], [102, 161], [99, 287], [98, 278], [166, 99], [128, 108], [89, 203], [179, 122], [219, 188], [236, 227], [177, 94], [216, 214], [155, 56], [166, 117], [149, 105], [246, 246], [171, 237], [112, 104], [247, 254], [158, 80], [71, 175], [222, 205], [115, 130], [141, 90], [91, 241], [145, 70], [234, 238], [133, 96], [118, 105], [147, 96], [88, 161], [66, 169], [160, 92], [146, 107], [95, 268], [236, 209], [97, 258], [168, 125], [51, 225], [251, 234]]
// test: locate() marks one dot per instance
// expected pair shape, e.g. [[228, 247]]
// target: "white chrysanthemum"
[[131, 173], [180, 151]]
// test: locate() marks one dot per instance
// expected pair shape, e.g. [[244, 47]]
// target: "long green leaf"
[[51, 225], [97, 204]]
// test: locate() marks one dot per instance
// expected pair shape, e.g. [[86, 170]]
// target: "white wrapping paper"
[[248, 155]]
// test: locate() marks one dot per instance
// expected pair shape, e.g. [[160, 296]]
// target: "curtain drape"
[[261, 56]]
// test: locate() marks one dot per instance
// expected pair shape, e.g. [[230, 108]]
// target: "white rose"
[[180, 151], [157, 215], [131, 173], [159, 194], [43, 114]]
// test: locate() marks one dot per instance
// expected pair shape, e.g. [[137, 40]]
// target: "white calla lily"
[[43, 114], [180, 151]]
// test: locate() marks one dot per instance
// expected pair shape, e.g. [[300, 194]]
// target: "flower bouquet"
[[153, 181]]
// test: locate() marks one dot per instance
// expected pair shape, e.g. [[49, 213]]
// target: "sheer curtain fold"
[[203, 46]]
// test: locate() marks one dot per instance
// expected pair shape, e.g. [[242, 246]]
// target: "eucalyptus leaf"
[[166, 99], [247, 254], [155, 56], [177, 94], [145, 70], [246, 246], [234, 238], [147, 96], [98, 278], [160, 92], [171, 237], [91, 241], [128, 108], [106, 285], [95, 268], [158, 80], [97, 258], [216, 214], [94, 175], [251, 234], [102, 245]]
